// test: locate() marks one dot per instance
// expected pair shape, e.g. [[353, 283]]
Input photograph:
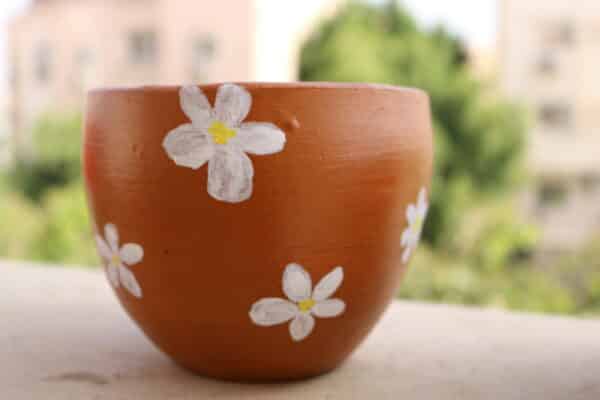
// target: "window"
[[555, 115], [547, 63], [565, 34], [142, 47], [560, 34], [43, 63], [590, 182], [552, 194], [202, 53], [204, 47]]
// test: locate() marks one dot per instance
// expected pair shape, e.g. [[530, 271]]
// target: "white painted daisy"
[[117, 259], [218, 136], [415, 214], [304, 303]]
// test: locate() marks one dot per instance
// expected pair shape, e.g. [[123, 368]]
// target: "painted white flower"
[[304, 303], [218, 136], [117, 259], [415, 214]]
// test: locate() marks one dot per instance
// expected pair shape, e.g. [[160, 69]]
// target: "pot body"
[[355, 158]]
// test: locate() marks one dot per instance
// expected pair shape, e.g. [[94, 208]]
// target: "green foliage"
[[66, 234], [441, 278], [479, 139], [579, 273], [43, 210], [57, 139], [494, 238], [56, 156], [54, 230], [567, 285], [35, 178], [19, 222], [504, 242]]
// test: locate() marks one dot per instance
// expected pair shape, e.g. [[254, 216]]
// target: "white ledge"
[[64, 336]]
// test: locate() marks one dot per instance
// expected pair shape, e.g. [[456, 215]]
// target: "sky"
[[473, 20]]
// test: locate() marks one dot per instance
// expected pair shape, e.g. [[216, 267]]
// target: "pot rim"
[[267, 85]]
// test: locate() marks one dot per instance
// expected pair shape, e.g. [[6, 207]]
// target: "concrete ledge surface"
[[64, 336]]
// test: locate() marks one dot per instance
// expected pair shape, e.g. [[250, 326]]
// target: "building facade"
[[61, 48], [550, 61]]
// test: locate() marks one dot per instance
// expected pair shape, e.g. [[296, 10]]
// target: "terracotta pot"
[[257, 251]]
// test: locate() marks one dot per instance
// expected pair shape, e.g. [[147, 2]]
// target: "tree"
[[478, 138], [56, 156]]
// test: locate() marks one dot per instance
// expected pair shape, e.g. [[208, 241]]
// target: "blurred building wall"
[[5, 145], [550, 61], [61, 48]]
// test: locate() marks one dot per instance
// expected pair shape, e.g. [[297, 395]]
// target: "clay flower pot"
[[257, 231]]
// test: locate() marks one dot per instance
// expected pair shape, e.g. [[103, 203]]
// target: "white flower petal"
[[406, 254], [328, 308], [417, 238], [411, 213], [406, 237], [230, 174], [129, 282], [422, 212], [329, 284], [422, 201], [103, 248], [297, 284], [131, 253], [260, 138], [112, 272], [188, 146], [423, 215], [196, 106], [272, 311], [301, 326], [232, 104], [112, 237]]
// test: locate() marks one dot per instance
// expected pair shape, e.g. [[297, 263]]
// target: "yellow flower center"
[[220, 132], [418, 225], [115, 260], [306, 305]]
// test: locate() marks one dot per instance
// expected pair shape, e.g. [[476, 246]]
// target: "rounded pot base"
[[257, 376]]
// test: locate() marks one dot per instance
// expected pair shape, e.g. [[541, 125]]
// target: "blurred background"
[[515, 214]]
